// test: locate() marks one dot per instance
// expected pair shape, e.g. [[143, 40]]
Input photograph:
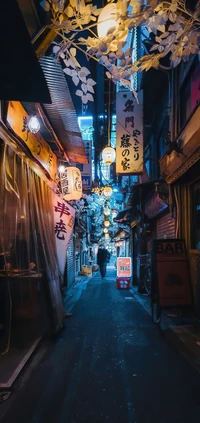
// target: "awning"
[[123, 216], [142, 192], [121, 234], [21, 76], [61, 113]]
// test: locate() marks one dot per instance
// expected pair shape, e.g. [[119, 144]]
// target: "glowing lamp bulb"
[[34, 125], [61, 168]]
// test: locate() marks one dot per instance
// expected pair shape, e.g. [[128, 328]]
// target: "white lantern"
[[71, 184], [106, 223], [107, 191], [108, 155], [107, 20], [107, 212], [34, 125], [114, 213], [105, 230]]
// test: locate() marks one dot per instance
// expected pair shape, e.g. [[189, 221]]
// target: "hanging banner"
[[39, 148], [129, 134], [64, 216]]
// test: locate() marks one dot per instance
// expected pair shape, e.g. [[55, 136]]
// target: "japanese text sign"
[[64, 216], [129, 134], [124, 267], [40, 150]]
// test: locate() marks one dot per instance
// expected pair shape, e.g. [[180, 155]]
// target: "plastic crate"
[[123, 282]]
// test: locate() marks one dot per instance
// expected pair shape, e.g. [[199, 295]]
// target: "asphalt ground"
[[110, 364]]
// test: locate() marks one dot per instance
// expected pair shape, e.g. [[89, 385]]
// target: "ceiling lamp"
[[107, 191], [105, 230], [34, 125], [106, 223]]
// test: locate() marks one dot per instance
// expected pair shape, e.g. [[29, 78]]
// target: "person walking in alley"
[[103, 258]]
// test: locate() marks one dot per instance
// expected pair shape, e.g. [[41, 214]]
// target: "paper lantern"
[[105, 230], [107, 211], [71, 184], [107, 20], [107, 236], [107, 191], [108, 155], [106, 223], [114, 213], [34, 125]]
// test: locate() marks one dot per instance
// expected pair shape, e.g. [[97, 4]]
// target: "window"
[[190, 93]]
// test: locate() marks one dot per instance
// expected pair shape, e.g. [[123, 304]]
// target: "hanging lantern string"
[[109, 113]]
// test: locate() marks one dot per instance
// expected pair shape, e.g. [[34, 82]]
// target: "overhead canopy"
[[121, 234], [21, 76], [61, 113], [123, 216]]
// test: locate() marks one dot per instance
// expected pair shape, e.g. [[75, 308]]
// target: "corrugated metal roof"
[[61, 113]]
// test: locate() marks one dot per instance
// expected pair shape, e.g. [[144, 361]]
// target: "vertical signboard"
[[129, 139], [86, 128]]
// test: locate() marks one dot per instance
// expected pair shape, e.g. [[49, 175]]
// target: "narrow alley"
[[109, 364]]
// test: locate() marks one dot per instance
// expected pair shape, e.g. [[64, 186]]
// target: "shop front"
[[31, 302], [181, 172]]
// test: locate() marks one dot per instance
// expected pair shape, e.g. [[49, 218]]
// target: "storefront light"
[[61, 169]]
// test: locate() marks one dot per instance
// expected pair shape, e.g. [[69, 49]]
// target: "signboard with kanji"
[[129, 134], [17, 118], [124, 267]]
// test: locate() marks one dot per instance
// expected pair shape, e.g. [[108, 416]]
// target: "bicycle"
[[147, 278]]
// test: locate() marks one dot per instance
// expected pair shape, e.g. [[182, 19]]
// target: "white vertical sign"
[[64, 216], [129, 134]]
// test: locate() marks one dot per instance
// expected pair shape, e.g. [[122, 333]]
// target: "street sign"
[[124, 267]]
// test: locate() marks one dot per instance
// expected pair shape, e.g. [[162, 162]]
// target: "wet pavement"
[[110, 364]]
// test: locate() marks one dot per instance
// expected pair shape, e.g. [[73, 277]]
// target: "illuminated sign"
[[124, 267]]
